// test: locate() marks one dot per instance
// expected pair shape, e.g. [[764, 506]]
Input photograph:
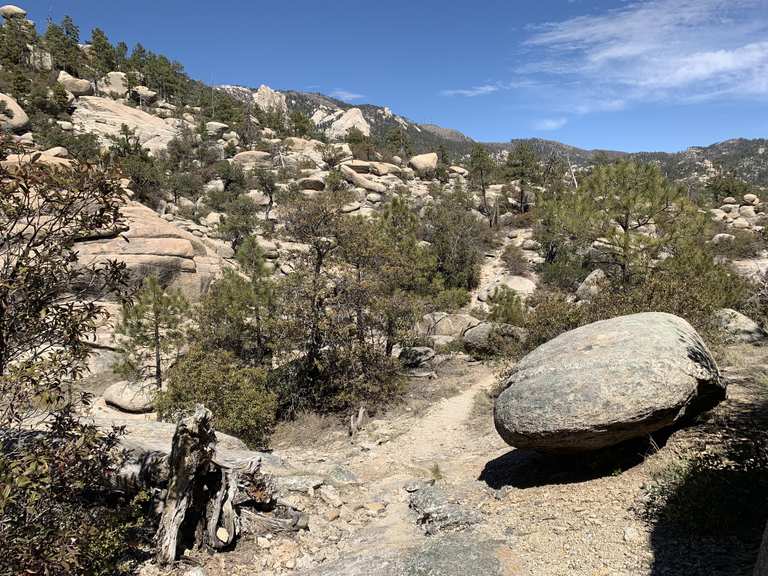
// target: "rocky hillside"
[[745, 158]]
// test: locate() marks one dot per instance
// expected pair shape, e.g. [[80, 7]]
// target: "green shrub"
[[506, 307], [59, 517], [514, 260], [237, 396], [451, 299]]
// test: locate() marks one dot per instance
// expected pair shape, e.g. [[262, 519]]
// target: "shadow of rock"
[[528, 468], [708, 512]]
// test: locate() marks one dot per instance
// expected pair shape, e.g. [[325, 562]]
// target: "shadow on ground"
[[527, 468], [708, 512]]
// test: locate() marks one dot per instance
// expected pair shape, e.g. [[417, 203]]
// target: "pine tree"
[[102, 52], [152, 327]]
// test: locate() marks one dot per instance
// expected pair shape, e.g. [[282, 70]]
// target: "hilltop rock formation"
[[270, 100], [607, 382], [352, 118]]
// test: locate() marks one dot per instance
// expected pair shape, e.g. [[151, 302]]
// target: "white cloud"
[[549, 124], [474, 91], [679, 50], [346, 95]]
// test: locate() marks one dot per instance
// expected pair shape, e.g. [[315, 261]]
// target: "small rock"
[[631, 535]]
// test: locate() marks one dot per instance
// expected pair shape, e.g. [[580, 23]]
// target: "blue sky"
[[615, 74]]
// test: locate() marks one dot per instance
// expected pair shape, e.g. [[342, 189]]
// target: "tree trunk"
[[183, 517]]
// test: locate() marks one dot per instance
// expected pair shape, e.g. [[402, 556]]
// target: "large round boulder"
[[137, 398], [424, 163], [608, 382], [76, 86], [12, 117]]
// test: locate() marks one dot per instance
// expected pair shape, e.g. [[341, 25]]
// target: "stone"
[[251, 159], [215, 185], [424, 164], [416, 356], [216, 129], [144, 94], [352, 118], [459, 170], [361, 181], [591, 285], [741, 223], [136, 398], [747, 211], [452, 554], [314, 182], [608, 382], [11, 11], [524, 287], [729, 200], [739, 328], [213, 219], [13, 119], [435, 512], [341, 476], [104, 118], [751, 199], [269, 100], [443, 324], [480, 338], [77, 86], [530, 244], [258, 197], [298, 483], [113, 84], [330, 496], [722, 238]]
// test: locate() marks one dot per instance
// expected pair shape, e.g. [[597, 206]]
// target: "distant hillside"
[[747, 159]]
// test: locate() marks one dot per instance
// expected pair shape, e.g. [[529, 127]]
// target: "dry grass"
[[307, 430]]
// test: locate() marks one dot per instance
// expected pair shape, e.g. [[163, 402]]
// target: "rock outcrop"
[[424, 163], [737, 327], [113, 84], [352, 118], [13, 118], [76, 86], [607, 382], [104, 117], [269, 100]]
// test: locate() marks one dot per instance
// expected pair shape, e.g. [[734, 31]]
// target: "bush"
[[506, 307], [515, 260], [237, 396], [60, 519], [451, 300]]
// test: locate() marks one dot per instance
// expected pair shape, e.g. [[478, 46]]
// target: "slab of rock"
[[113, 84], [459, 554], [444, 324], [608, 382], [359, 180], [137, 398], [104, 117], [437, 513], [416, 356], [253, 159], [352, 118], [591, 285], [739, 328], [269, 100], [14, 118]]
